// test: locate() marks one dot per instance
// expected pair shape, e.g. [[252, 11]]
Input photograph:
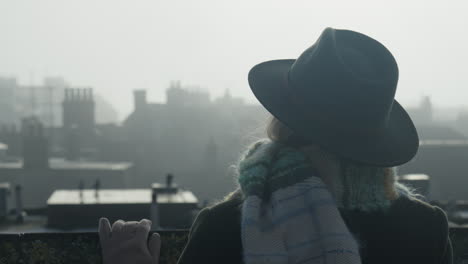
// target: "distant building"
[[79, 109], [4, 193], [40, 175], [182, 97], [462, 122], [71, 118], [192, 136], [79, 125], [440, 123], [39, 183], [8, 113], [439, 132], [424, 113], [3, 151], [445, 161], [83, 208], [10, 136], [442, 155], [35, 146], [44, 101]]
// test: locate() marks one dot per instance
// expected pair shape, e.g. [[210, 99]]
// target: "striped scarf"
[[289, 215]]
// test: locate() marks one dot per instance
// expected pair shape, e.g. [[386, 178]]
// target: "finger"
[[143, 228], [104, 230], [154, 246], [117, 228], [130, 227]]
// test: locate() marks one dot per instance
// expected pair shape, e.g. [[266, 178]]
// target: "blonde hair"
[[357, 186], [357, 172], [277, 131]]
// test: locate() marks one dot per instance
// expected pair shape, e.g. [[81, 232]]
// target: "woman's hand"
[[126, 242]]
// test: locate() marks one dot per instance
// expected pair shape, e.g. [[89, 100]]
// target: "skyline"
[[107, 113], [117, 47]]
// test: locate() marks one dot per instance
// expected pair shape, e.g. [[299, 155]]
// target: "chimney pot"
[[139, 99], [169, 179]]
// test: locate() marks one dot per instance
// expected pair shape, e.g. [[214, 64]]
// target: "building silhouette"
[[192, 136], [10, 136], [34, 144], [82, 208], [79, 126], [39, 174], [7, 100]]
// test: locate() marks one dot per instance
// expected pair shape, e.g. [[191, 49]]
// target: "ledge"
[[84, 248], [74, 248]]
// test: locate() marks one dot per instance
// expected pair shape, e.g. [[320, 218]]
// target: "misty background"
[[149, 100], [118, 46]]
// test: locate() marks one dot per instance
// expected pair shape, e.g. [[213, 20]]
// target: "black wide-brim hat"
[[339, 94]]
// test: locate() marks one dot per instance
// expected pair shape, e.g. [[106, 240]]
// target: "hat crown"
[[339, 94], [348, 77]]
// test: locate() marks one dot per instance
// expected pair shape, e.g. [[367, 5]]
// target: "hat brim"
[[396, 145]]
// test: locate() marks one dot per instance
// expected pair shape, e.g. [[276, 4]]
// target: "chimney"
[[79, 121], [35, 145], [169, 179], [139, 99]]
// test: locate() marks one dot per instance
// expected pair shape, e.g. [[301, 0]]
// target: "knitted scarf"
[[288, 214]]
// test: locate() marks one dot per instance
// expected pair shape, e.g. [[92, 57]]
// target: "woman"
[[322, 188]]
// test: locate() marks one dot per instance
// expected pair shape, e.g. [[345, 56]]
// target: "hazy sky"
[[117, 46]]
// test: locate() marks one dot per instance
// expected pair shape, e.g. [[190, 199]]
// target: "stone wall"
[[73, 248], [84, 248]]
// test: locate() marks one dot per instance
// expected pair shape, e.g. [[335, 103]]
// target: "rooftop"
[[164, 188], [63, 164], [118, 196], [3, 146], [4, 185], [84, 248]]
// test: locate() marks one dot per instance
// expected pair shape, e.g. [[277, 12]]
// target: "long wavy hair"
[[358, 186]]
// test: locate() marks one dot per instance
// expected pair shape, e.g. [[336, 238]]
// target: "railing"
[[84, 248]]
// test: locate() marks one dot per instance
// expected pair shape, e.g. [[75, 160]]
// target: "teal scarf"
[[359, 187]]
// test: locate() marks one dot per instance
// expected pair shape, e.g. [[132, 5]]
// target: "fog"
[[142, 109], [118, 46]]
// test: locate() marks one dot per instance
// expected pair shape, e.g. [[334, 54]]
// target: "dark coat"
[[410, 232]]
